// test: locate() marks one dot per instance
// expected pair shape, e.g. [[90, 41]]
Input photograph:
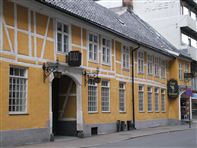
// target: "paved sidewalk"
[[69, 142]]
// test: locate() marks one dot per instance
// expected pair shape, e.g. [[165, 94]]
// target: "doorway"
[[64, 106]]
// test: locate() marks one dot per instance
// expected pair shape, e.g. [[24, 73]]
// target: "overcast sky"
[[110, 3]]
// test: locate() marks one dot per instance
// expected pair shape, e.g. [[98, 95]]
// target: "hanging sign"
[[74, 58], [173, 89]]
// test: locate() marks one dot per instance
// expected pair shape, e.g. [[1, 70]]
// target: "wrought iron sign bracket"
[[91, 75]]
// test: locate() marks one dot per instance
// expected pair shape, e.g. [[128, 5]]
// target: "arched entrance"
[[64, 106]]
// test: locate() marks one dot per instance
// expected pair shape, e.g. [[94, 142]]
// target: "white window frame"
[[26, 89], [106, 87], [180, 71], [125, 57], [149, 100], [150, 64], [93, 44], [156, 99], [140, 62], [140, 90], [122, 100], [93, 84], [106, 59], [163, 100], [63, 51]]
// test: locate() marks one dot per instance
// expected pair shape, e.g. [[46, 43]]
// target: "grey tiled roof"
[[127, 25]]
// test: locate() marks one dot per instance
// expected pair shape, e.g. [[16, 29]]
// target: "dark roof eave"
[[105, 28], [186, 57]]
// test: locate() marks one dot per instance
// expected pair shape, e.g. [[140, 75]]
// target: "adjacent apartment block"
[[67, 68]]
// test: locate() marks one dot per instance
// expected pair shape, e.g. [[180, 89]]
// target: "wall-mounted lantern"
[[51, 68], [91, 75]]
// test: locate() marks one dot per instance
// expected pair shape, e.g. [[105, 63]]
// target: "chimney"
[[128, 4]]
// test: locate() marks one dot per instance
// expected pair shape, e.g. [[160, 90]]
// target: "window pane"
[[65, 28], [59, 26], [65, 43], [59, 42]]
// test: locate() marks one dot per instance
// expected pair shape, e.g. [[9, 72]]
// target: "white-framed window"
[[163, 101], [156, 99], [62, 38], [185, 10], [105, 95], [141, 98], [186, 68], [93, 47], [149, 92], [106, 44], [122, 105], [92, 96], [150, 64], [140, 62], [163, 69], [125, 57], [157, 66], [180, 71], [18, 90]]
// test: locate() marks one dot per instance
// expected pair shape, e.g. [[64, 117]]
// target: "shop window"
[[105, 96], [141, 98], [92, 96], [149, 92], [18, 90], [93, 47], [62, 38], [106, 50], [122, 97], [156, 99]]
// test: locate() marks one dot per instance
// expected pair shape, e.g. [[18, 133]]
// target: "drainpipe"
[[133, 96]]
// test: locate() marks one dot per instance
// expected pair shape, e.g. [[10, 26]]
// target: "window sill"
[[93, 112], [22, 113], [122, 112], [126, 69], [140, 73], [141, 111], [157, 112], [106, 112], [106, 64], [92, 61], [150, 111], [62, 53]]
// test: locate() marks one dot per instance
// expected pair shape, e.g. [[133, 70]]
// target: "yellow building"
[[35, 105]]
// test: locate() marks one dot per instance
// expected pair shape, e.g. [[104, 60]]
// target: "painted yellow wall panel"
[[106, 67], [4, 55], [75, 49], [8, 12], [94, 65], [41, 23], [118, 68], [84, 57], [23, 43], [71, 107], [50, 29], [118, 50], [39, 42], [22, 17], [26, 61], [32, 46], [61, 57], [32, 21], [6, 45], [84, 37], [76, 34], [49, 51]]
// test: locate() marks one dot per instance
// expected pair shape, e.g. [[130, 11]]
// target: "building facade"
[[36, 38]]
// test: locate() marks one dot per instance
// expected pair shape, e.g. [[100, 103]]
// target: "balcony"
[[187, 23], [190, 50]]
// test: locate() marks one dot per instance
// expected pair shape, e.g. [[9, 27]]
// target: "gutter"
[[133, 96]]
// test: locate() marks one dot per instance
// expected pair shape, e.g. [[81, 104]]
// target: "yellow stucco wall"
[[39, 43]]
